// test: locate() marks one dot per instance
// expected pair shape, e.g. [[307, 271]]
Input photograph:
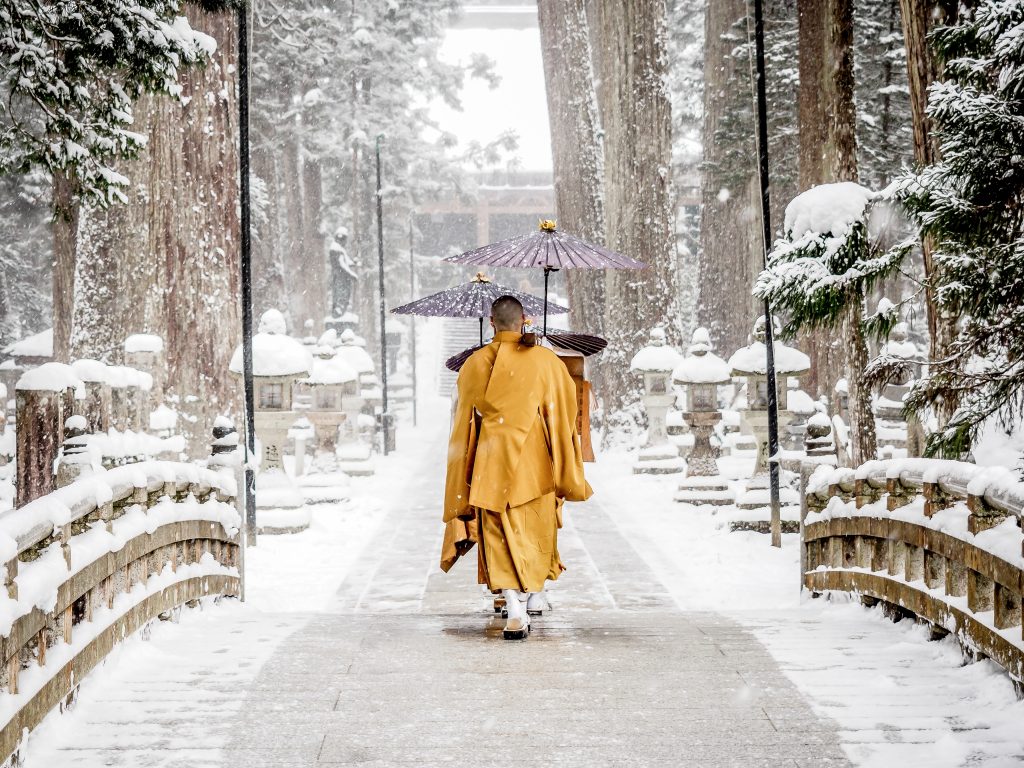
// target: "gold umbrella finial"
[[548, 225], [481, 278]]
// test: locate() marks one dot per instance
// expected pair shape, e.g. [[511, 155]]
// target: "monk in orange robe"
[[513, 457]]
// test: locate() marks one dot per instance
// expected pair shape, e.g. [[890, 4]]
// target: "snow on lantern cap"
[[657, 356], [752, 360], [702, 366], [272, 322], [273, 352]]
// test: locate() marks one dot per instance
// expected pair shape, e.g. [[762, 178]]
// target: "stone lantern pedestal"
[[655, 362], [701, 373]]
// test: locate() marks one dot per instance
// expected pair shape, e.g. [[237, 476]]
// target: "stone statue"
[[343, 276]]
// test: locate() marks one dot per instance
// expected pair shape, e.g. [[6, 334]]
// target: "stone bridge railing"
[[937, 539], [90, 563]]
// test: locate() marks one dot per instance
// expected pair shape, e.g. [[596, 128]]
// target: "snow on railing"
[[96, 560], [938, 539]]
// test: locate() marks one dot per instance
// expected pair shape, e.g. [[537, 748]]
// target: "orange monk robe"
[[514, 454]]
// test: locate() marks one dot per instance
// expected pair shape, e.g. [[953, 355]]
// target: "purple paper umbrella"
[[473, 299], [547, 249]]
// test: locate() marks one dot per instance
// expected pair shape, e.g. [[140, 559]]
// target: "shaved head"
[[507, 314]]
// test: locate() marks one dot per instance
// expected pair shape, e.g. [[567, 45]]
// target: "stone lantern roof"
[[701, 365], [273, 353], [656, 357], [752, 360], [330, 371], [353, 354]]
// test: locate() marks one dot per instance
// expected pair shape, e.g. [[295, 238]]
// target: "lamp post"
[[766, 221], [412, 320], [246, 276], [385, 417]]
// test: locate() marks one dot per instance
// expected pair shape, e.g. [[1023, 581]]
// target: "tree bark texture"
[[40, 431], [96, 329], [65, 227], [828, 33], [194, 234], [731, 242], [862, 417], [577, 151], [636, 111], [268, 266]]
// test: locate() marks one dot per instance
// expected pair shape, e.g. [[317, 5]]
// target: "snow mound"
[[754, 359], [90, 370], [663, 358], [37, 345], [272, 321], [143, 342], [332, 371], [274, 355], [50, 377], [827, 209], [355, 356], [702, 368]]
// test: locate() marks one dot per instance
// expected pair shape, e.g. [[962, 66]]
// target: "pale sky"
[[518, 103]]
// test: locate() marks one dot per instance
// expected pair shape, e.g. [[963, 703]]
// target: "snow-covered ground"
[[897, 698]]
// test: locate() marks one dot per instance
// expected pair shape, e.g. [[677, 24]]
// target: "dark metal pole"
[[246, 258], [412, 321], [766, 220], [547, 272], [383, 312]]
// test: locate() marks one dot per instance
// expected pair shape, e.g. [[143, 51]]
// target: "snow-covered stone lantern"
[[354, 451], [751, 363], [892, 427], [278, 361], [330, 381], [655, 362], [701, 372]]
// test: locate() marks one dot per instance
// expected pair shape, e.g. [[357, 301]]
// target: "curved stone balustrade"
[[90, 563], [939, 539]]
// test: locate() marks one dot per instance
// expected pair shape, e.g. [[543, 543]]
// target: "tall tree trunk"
[[65, 229], [194, 224], [821, 345], [268, 267], [638, 161], [577, 151], [97, 329], [313, 273], [828, 153], [730, 233], [919, 18]]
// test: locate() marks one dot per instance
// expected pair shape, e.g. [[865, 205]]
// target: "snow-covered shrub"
[[971, 202], [826, 259]]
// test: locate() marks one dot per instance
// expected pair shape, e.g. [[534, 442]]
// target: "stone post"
[[96, 405], [45, 399], [74, 458]]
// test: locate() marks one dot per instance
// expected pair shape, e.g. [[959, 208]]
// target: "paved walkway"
[[406, 666]]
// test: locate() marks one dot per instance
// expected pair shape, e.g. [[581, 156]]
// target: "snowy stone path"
[[670, 644]]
